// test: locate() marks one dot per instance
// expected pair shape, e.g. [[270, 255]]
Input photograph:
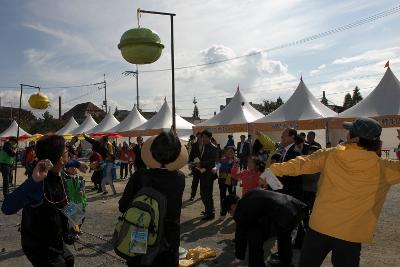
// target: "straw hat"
[[168, 142]]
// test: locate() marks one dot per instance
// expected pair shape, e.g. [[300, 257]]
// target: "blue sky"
[[60, 43]]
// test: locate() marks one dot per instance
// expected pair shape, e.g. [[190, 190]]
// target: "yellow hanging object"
[[39, 101]]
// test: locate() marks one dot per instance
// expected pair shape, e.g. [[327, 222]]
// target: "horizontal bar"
[[31, 86], [156, 12]]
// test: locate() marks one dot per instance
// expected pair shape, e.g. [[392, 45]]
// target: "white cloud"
[[317, 70], [370, 56]]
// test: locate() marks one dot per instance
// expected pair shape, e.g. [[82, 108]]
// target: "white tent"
[[233, 119], [133, 120], [301, 111], [302, 105], [382, 104], [68, 127], [106, 124], [162, 121], [382, 101], [238, 111], [12, 131], [86, 125]]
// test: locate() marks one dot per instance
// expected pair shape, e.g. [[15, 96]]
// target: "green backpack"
[[144, 219]]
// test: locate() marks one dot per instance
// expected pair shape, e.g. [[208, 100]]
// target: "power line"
[[310, 38]]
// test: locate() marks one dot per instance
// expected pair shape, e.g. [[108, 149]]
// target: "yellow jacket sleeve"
[[391, 169], [267, 142], [313, 163]]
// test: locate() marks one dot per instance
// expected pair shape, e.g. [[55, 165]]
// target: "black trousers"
[[123, 167], [256, 239], [285, 252], [223, 188], [6, 172], [317, 246], [243, 163], [309, 199], [50, 257], [195, 183], [206, 191]]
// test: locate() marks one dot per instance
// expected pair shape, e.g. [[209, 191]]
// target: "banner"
[[388, 121], [233, 128], [298, 125]]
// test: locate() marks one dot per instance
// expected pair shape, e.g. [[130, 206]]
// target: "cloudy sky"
[[62, 43]]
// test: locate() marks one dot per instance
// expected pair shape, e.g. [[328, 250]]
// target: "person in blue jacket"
[[109, 174], [44, 227]]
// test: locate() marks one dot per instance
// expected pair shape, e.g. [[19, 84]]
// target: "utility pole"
[[136, 75], [59, 107], [105, 94]]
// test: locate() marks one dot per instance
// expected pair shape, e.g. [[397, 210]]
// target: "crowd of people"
[[329, 199]]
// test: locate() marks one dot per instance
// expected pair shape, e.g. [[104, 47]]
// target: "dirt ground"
[[94, 249]]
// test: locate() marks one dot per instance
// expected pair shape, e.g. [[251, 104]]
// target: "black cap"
[[365, 128]]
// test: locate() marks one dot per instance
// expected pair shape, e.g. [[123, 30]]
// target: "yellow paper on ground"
[[196, 255]]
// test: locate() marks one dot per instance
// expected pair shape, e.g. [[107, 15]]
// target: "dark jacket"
[[307, 145], [43, 225], [139, 164], [97, 147], [195, 152], [230, 143], [245, 151], [265, 209], [292, 186], [171, 184], [209, 157]]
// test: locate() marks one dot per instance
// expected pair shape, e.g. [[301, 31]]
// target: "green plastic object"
[[140, 46]]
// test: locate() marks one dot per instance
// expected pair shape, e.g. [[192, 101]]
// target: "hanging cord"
[[57, 202], [138, 17]]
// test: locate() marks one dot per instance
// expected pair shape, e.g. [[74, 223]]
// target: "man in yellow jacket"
[[351, 191]]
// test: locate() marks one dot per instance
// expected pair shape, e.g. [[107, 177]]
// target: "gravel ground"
[[94, 249]]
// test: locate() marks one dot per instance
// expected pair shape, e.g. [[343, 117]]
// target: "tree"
[[348, 101], [268, 106], [46, 124], [357, 97], [195, 112], [279, 102]]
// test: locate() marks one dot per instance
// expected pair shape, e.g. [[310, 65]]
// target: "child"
[[75, 186], [95, 165], [109, 174], [225, 177], [250, 178]]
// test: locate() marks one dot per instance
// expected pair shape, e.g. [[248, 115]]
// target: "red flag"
[[387, 64]]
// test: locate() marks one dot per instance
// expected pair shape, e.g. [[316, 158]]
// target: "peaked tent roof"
[[302, 105], [68, 127], [133, 120], [86, 125], [163, 121], [238, 111], [12, 131], [106, 124], [383, 100]]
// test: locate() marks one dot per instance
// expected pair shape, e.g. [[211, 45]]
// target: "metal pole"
[[59, 107], [18, 121], [173, 73], [172, 58], [137, 87], [105, 94]]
